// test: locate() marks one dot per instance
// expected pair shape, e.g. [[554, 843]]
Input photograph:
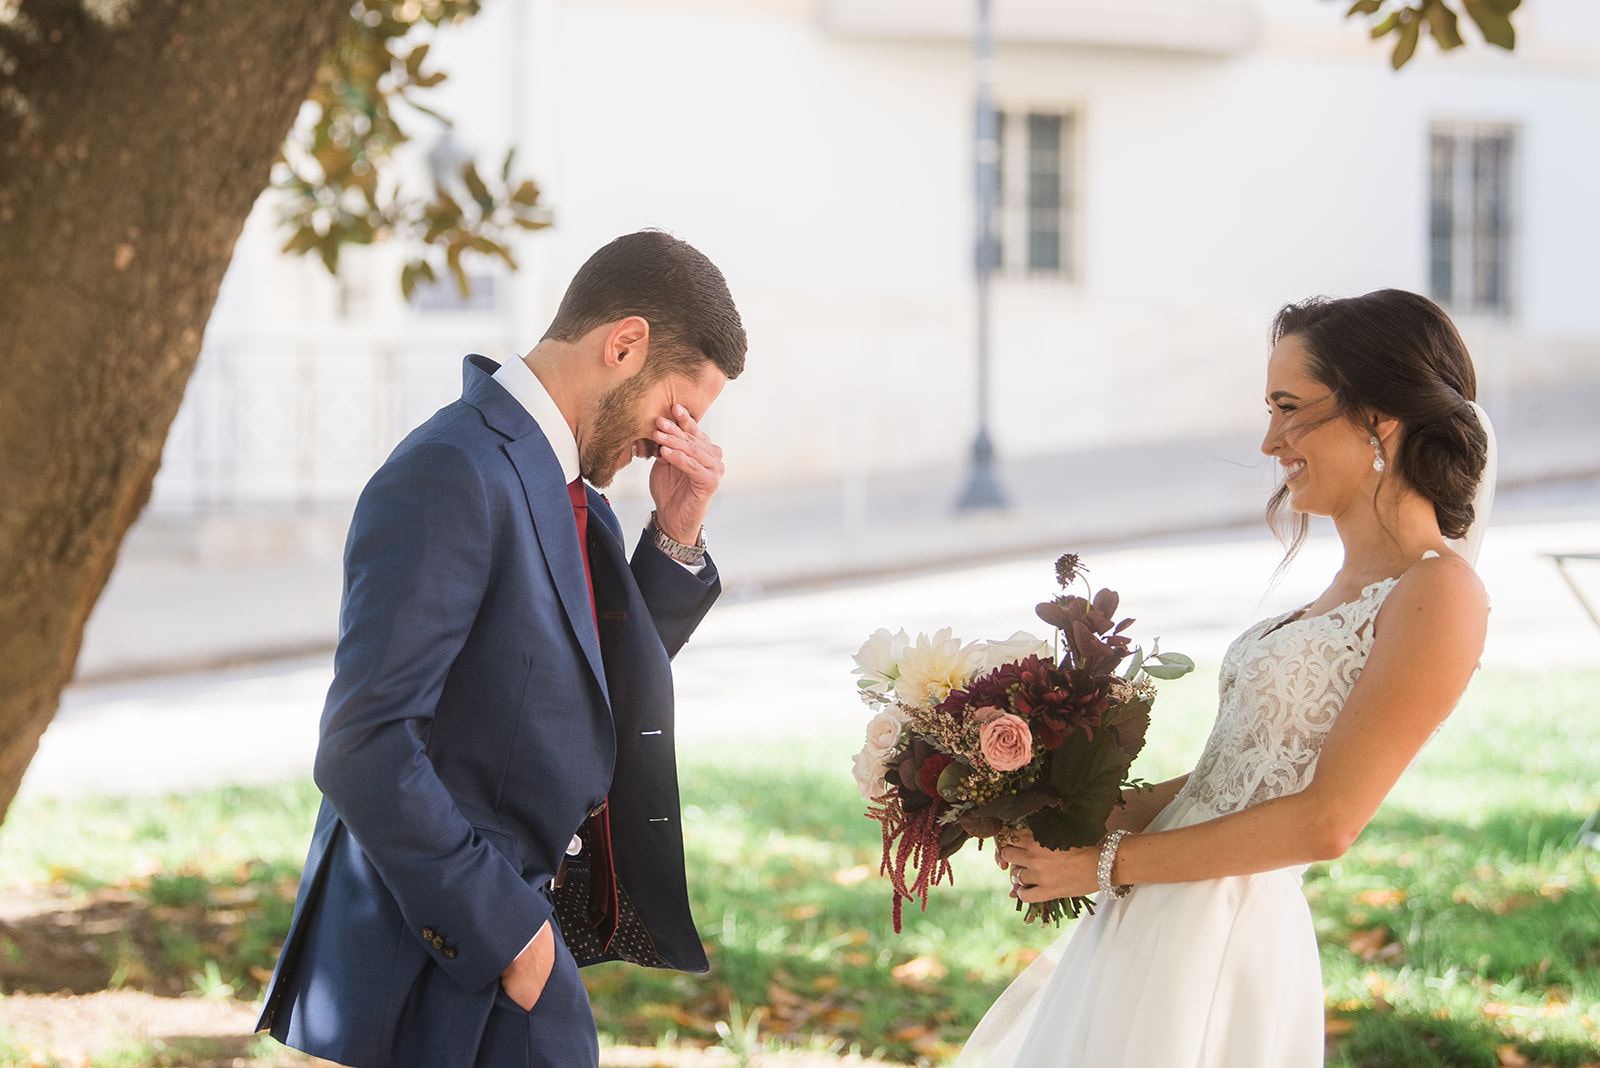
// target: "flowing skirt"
[[1221, 973]]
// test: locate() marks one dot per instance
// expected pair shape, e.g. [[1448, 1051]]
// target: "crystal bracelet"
[[1108, 857]]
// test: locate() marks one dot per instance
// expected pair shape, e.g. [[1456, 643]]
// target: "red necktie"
[[603, 907]]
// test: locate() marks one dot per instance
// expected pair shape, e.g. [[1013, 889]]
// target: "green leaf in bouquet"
[[1054, 613], [1087, 774], [1168, 666], [982, 826], [951, 777], [1128, 723], [952, 836], [1134, 665], [1008, 809]]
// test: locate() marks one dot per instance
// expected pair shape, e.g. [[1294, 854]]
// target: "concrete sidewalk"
[[249, 588]]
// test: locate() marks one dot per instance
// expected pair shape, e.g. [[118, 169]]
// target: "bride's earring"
[[1377, 454]]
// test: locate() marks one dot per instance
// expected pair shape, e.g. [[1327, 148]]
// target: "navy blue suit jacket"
[[475, 719]]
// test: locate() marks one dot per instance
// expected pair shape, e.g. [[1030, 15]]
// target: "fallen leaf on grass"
[[1338, 1025], [1383, 897], [1514, 903], [852, 876], [780, 995], [919, 970], [1375, 943], [1511, 1057]]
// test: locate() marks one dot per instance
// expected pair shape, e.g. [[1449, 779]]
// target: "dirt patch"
[[75, 1031], [76, 989]]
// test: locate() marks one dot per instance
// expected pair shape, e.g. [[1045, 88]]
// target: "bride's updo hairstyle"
[[1393, 353]]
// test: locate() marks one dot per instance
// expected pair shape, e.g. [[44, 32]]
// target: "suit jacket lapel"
[[548, 504]]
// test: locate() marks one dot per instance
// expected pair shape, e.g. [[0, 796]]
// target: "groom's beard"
[[613, 418]]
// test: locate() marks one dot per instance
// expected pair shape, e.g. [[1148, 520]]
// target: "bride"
[[1201, 953]]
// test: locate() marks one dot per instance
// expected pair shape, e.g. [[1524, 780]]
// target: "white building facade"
[[1173, 172]]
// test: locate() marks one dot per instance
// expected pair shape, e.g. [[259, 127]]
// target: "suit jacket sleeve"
[[678, 599], [417, 565]]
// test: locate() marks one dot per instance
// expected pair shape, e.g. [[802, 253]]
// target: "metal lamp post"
[[983, 488]]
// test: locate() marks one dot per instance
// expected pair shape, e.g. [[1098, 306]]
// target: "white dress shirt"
[[519, 380]]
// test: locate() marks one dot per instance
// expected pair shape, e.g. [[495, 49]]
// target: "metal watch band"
[[684, 554]]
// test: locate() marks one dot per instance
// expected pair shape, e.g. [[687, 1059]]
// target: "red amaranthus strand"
[[911, 840]]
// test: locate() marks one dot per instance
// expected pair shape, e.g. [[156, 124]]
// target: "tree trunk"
[[134, 137]]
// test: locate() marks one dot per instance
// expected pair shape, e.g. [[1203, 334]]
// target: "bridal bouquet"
[[975, 740]]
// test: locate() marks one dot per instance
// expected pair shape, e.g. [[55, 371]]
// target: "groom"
[[496, 755]]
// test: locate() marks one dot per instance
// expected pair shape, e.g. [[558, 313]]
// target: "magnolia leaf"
[[1389, 23], [527, 194], [1443, 24], [1494, 20], [476, 188], [505, 168], [1406, 46], [415, 59], [412, 273], [1365, 7], [531, 224], [328, 249], [302, 241]]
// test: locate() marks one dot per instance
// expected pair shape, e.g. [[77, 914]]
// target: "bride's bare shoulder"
[[1440, 594]]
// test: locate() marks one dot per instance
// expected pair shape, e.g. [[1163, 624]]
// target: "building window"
[[1036, 201], [1469, 218]]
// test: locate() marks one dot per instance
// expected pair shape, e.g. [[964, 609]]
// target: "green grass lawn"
[[1463, 928]]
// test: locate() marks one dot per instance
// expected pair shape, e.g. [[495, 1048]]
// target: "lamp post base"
[[983, 492]]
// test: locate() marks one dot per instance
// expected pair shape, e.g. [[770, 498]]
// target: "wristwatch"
[[684, 554]]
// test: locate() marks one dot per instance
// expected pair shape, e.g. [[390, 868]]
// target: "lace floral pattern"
[[1282, 685]]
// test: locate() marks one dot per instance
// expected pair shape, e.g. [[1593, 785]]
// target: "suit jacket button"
[[449, 952], [438, 942], [427, 934]]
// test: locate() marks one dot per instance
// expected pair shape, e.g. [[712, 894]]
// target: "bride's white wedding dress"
[[1220, 973]]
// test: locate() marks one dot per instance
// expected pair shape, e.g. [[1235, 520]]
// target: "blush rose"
[[1006, 742]]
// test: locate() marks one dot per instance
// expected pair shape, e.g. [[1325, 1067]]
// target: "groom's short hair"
[[673, 287]]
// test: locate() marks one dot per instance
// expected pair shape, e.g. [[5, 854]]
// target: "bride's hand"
[[1040, 874]]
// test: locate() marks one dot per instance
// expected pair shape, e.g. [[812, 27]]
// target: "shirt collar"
[[519, 380]]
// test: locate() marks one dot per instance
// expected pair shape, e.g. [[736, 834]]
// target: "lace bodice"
[[1282, 685]]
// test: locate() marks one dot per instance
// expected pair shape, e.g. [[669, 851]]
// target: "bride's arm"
[[1431, 632], [1139, 807]]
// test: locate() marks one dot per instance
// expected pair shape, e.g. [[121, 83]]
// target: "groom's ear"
[[627, 345]]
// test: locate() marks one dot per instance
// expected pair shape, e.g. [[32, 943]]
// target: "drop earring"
[[1377, 454]]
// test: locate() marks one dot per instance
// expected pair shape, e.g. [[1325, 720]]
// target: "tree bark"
[[134, 137]]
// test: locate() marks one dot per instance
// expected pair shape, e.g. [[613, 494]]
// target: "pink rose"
[[1006, 742]]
